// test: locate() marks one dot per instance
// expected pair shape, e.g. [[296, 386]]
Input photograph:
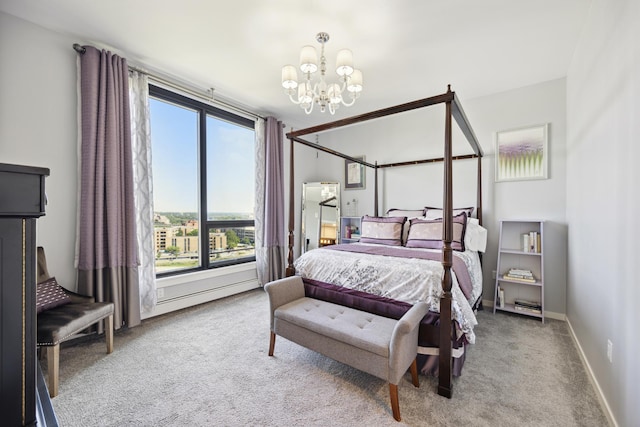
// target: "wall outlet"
[[160, 293], [610, 351], [493, 274]]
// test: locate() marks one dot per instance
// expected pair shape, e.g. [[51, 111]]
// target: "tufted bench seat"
[[380, 346]]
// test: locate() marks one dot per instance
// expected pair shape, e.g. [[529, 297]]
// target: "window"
[[203, 184]]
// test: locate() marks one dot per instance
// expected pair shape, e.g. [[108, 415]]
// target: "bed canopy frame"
[[453, 109]]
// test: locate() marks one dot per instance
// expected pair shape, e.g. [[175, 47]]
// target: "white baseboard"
[[184, 301], [596, 386]]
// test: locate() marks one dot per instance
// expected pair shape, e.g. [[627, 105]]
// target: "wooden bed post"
[[375, 190], [479, 195], [445, 373], [290, 271]]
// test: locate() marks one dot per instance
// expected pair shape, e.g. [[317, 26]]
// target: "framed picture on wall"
[[522, 153], [354, 174]]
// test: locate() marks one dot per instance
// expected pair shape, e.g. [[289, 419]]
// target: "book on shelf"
[[499, 297], [524, 305], [527, 309], [519, 274], [531, 242]]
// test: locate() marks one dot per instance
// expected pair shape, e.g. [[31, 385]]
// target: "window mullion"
[[204, 234]]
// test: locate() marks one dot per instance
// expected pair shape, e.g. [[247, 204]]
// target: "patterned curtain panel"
[[269, 217], [107, 246], [142, 187]]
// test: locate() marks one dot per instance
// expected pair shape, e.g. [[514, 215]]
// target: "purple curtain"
[[107, 248], [270, 252]]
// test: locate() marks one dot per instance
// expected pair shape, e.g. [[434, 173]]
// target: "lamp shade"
[[344, 63], [308, 59], [355, 82], [289, 77]]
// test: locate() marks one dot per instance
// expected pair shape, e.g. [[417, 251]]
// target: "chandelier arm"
[[310, 109], [297, 102], [353, 101]]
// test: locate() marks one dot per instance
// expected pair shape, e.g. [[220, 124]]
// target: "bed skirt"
[[429, 334]]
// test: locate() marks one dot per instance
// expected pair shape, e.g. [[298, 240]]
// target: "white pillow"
[[436, 213], [410, 214], [475, 238]]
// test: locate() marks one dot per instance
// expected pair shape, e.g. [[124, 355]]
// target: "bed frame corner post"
[[445, 384], [375, 191], [291, 270], [479, 195]]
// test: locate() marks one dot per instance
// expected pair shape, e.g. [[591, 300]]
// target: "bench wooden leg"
[[395, 406], [272, 343], [414, 373], [108, 332], [53, 362]]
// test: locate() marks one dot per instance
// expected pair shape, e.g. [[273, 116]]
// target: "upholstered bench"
[[380, 346]]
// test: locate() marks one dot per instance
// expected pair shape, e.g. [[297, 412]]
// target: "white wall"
[[535, 199], [420, 135], [603, 200], [38, 127]]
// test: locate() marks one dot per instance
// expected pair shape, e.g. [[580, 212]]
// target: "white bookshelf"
[[512, 254], [355, 224]]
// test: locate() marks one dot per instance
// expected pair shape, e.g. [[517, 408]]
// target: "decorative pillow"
[[436, 213], [382, 230], [409, 213], [475, 237], [49, 294], [427, 233]]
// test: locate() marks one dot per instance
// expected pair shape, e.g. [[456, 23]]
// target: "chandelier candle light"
[[326, 95]]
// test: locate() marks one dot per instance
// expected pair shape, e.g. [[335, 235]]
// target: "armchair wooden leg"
[[414, 373], [272, 343], [395, 406], [108, 332], [53, 362]]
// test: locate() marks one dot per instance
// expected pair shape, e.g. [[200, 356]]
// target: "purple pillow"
[[50, 294], [427, 233], [382, 230]]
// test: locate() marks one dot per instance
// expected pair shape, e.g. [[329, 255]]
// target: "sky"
[[230, 161]]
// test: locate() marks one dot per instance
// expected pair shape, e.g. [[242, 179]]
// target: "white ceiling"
[[406, 49]]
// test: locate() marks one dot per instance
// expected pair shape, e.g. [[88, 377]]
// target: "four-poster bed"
[[442, 331]]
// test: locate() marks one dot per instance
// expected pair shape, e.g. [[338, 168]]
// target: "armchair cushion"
[[59, 323], [49, 294]]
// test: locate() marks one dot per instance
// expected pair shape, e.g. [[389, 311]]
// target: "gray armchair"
[[60, 323]]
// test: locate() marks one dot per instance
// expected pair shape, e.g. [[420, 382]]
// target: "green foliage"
[[193, 232], [172, 250], [232, 239]]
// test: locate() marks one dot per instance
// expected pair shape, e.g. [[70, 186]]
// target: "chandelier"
[[326, 94]]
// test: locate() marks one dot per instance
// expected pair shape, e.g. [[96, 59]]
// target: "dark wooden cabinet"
[[22, 201]]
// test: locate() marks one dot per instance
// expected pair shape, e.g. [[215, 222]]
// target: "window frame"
[[203, 111]]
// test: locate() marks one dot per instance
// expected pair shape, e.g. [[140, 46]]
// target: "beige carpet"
[[208, 366]]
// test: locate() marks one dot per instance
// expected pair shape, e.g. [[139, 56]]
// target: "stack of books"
[[520, 275], [531, 242], [527, 306]]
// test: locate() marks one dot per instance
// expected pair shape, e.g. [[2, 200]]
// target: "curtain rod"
[[209, 98]]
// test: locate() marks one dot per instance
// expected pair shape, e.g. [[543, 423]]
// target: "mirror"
[[320, 214]]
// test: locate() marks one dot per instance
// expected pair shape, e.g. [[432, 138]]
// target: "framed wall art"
[[354, 174], [522, 153]]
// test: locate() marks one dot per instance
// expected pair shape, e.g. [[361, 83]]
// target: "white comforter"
[[403, 279]]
